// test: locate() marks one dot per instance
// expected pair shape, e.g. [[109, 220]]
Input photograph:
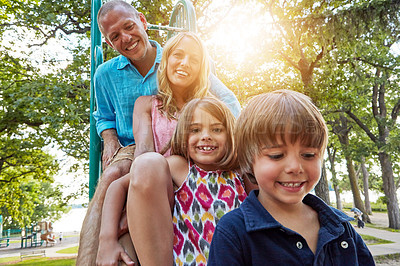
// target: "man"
[[118, 83]]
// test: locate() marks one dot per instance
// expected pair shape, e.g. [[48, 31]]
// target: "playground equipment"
[[6, 238], [37, 234], [183, 18], [31, 235]]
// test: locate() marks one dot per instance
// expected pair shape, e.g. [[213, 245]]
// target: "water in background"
[[71, 221]]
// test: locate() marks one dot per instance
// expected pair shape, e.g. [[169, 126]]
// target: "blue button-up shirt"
[[118, 84], [251, 236]]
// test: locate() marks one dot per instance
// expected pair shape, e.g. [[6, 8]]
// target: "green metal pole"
[[183, 16], [96, 58]]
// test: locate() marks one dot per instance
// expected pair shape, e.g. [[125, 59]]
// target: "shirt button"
[[344, 244], [299, 245]]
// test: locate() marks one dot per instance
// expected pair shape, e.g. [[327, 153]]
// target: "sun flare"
[[240, 33]]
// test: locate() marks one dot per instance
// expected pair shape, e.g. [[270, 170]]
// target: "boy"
[[281, 137]]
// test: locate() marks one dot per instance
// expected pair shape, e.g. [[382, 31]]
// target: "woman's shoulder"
[[143, 103]]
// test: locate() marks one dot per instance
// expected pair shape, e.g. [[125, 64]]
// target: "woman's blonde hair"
[[270, 117], [201, 85], [216, 108]]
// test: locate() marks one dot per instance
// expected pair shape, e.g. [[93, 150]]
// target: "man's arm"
[[111, 144], [218, 89]]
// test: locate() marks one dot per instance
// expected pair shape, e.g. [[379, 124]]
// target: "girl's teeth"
[[291, 184]]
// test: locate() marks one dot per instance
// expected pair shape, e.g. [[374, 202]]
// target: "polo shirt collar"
[[256, 217]]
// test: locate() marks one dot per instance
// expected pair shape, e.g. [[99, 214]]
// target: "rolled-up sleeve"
[[105, 113]]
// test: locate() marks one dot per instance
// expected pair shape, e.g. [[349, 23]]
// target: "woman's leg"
[[149, 205]]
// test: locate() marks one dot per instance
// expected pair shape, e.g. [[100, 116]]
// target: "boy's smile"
[[286, 173]]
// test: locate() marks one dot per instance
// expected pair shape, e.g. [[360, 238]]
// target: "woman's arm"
[[142, 129], [110, 251]]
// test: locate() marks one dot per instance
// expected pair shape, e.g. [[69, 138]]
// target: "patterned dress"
[[201, 201]]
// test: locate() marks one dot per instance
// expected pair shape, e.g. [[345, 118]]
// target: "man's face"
[[126, 33]]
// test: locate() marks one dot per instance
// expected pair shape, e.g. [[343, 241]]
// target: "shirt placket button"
[[299, 245], [344, 244]]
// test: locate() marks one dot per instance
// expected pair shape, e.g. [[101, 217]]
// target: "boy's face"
[[286, 173]]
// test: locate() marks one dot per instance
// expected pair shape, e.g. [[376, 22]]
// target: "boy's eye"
[[309, 155], [275, 156]]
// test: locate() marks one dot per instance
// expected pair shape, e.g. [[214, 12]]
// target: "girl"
[[205, 189], [282, 137]]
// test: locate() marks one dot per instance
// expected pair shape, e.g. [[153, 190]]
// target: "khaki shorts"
[[124, 153]]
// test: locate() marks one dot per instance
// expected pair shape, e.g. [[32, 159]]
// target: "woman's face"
[[183, 66]]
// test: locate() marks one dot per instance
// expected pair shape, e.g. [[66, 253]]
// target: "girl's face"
[[207, 140], [285, 173], [183, 65]]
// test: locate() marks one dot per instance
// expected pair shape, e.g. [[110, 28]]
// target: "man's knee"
[[148, 171]]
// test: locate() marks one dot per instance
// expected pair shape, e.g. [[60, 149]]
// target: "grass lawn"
[[71, 250], [371, 240]]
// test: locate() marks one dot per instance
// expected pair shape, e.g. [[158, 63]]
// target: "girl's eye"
[[275, 156], [217, 130], [194, 130]]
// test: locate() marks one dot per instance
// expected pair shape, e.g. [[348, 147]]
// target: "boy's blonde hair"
[[201, 84], [216, 108], [270, 117]]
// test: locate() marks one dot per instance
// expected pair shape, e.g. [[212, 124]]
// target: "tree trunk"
[[358, 203], [331, 157], [341, 129], [322, 188], [339, 205], [366, 186], [390, 191]]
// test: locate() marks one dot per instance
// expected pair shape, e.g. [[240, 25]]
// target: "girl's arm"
[[110, 251], [179, 169], [142, 129]]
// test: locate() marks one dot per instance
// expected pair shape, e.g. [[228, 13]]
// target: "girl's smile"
[[207, 139]]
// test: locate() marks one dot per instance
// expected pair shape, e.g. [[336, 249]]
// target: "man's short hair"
[[111, 5]]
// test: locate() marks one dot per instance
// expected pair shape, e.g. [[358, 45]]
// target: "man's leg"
[[89, 237], [150, 200]]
